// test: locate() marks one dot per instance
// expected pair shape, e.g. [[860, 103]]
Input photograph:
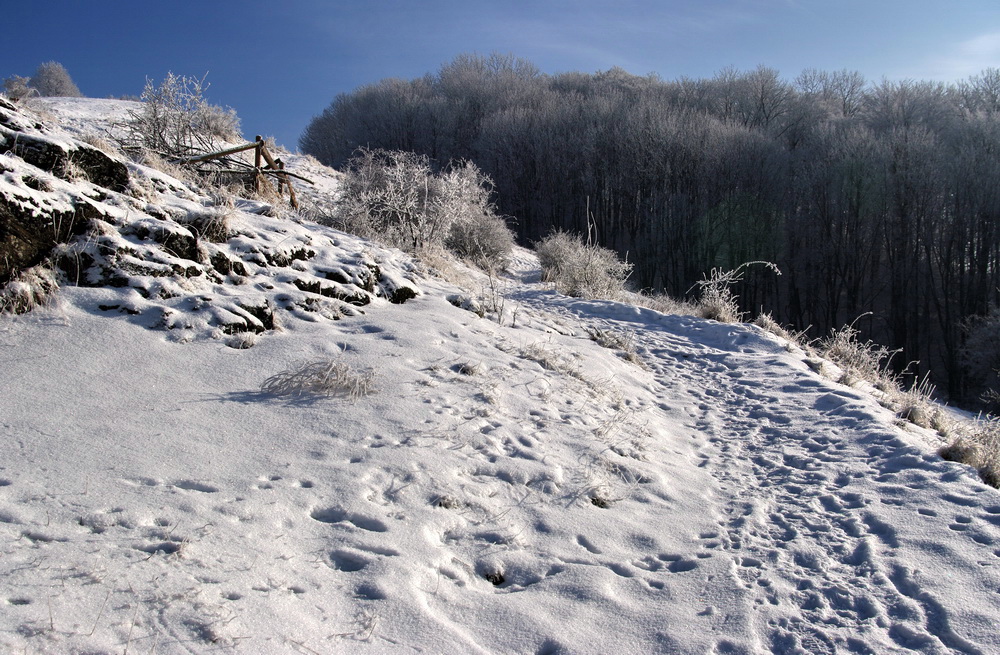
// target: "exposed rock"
[[64, 161], [34, 217], [175, 239], [28, 234]]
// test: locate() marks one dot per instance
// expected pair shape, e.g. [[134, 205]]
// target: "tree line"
[[878, 200]]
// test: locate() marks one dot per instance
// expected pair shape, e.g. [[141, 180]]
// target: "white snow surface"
[[509, 486]]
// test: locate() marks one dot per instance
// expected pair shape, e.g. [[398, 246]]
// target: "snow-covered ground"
[[509, 485]]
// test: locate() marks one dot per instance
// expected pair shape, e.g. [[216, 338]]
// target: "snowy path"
[[828, 524]]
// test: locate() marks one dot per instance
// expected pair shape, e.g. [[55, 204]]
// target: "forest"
[[879, 201]]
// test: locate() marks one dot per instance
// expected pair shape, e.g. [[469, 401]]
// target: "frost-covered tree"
[[52, 79]]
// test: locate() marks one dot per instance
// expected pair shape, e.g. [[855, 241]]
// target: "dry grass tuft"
[[323, 377], [866, 361], [979, 447], [31, 288]]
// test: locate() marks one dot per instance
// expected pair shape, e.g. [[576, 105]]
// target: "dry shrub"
[[766, 322], [485, 240], [177, 121], [103, 144], [212, 225], [156, 162], [717, 301], [868, 361], [396, 198], [624, 341], [242, 340], [661, 303]]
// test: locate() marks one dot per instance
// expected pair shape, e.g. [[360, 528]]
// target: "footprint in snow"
[[265, 483], [192, 485], [336, 515], [587, 545], [677, 563]]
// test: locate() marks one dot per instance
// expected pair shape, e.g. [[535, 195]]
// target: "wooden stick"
[[270, 162], [216, 155]]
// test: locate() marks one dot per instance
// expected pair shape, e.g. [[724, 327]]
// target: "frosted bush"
[[485, 241], [717, 301], [396, 198], [17, 87], [581, 269], [28, 289], [386, 196], [866, 361], [979, 447], [475, 233]]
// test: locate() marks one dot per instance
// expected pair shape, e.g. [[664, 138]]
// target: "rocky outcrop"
[[166, 252], [29, 233], [33, 142], [36, 211]]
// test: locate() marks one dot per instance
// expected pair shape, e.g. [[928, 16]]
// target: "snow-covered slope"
[[508, 486]]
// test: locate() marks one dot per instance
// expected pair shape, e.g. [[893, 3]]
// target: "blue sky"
[[280, 62]]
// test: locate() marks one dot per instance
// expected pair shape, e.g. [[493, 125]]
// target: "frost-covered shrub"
[[176, 120], [622, 341], [395, 197], [866, 361], [661, 303], [214, 225], [386, 195], [581, 269], [28, 289], [486, 241], [16, 87], [476, 232], [979, 447], [717, 301]]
